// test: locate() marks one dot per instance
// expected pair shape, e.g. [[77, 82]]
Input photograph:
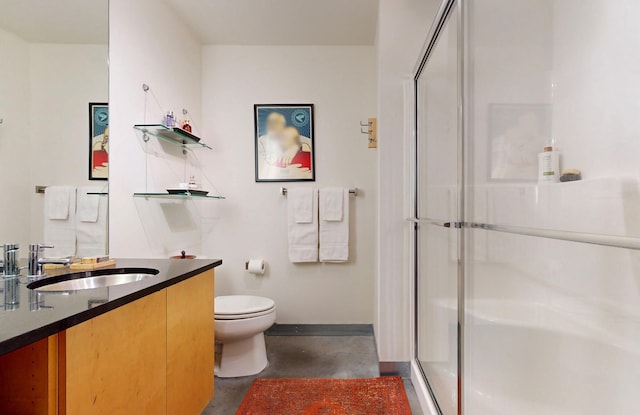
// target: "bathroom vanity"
[[145, 347]]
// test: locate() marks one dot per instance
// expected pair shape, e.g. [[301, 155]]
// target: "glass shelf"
[[177, 196], [98, 193], [170, 135]]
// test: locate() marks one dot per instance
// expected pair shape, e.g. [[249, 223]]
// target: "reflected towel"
[[303, 237], [334, 235], [57, 202], [88, 205], [91, 234], [59, 232]]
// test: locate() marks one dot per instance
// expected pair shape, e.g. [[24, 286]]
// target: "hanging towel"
[[303, 236], [334, 234], [57, 202], [88, 205], [300, 202], [91, 223], [331, 204], [61, 233]]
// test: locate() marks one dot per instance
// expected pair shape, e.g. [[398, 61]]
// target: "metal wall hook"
[[371, 131]]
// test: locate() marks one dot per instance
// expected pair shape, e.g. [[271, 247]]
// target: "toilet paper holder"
[[258, 271]]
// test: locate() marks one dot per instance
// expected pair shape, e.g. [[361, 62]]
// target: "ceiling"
[[280, 22], [222, 22], [56, 21]]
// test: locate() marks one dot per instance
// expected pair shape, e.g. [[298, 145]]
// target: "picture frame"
[[516, 134], [98, 141], [284, 142]]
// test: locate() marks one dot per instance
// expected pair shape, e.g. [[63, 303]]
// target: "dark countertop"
[[39, 315]]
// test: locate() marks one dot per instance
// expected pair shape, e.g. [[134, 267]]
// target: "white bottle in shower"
[[549, 166]]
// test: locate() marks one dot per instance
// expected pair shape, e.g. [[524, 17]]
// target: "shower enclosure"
[[528, 294]]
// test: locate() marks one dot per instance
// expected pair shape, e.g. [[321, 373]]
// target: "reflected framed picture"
[[517, 133], [98, 141], [284, 142]]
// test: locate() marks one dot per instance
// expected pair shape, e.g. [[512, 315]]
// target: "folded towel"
[[334, 235], [92, 236], [88, 205], [57, 232], [331, 204], [57, 202], [300, 202], [303, 237]]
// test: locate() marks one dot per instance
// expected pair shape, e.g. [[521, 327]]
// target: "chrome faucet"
[[11, 259], [36, 263]]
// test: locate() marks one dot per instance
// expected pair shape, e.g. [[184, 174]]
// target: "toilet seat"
[[237, 307]]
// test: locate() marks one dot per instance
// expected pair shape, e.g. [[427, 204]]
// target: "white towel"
[[60, 233], [88, 205], [91, 233], [331, 205], [300, 202], [57, 202], [303, 237], [334, 235]]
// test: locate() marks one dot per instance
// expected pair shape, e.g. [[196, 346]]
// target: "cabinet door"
[[190, 345], [116, 363], [29, 377]]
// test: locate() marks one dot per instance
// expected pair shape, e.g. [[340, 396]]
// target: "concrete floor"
[[306, 357]]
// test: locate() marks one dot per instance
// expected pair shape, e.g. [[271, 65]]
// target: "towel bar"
[[354, 191]]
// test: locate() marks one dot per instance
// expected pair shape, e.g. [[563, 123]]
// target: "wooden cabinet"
[[190, 345], [116, 363], [29, 378], [152, 356]]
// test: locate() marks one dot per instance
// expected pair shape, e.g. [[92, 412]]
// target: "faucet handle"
[[34, 258], [38, 247]]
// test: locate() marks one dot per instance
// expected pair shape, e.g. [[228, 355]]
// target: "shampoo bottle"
[[549, 166]]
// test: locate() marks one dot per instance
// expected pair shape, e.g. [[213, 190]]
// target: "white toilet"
[[240, 322]]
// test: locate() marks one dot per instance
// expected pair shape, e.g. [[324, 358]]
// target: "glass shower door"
[[437, 213]]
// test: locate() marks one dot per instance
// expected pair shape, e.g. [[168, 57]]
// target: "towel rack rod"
[[354, 191]]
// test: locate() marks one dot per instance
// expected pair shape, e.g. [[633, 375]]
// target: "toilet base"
[[243, 357]]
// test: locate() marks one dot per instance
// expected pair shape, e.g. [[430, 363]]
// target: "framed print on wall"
[[98, 141], [284, 142]]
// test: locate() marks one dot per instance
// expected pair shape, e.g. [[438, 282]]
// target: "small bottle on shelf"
[[549, 165], [192, 182], [170, 119], [187, 126]]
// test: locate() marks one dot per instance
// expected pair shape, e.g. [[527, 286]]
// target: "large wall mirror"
[[53, 65]]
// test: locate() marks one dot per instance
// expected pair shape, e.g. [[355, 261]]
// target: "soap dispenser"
[[549, 165]]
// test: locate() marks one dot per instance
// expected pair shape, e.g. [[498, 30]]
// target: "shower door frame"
[[445, 11]]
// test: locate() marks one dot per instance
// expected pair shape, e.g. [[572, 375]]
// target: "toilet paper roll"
[[256, 266]]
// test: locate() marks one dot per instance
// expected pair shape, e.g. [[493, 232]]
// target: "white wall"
[[14, 136], [63, 80], [340, 81], [147, 45], [402, 30]]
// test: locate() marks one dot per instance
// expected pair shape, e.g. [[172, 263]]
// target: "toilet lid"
[[241, 304]]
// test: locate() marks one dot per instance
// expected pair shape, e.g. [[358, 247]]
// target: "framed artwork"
[[284, 142], [98, 141], [517, 133]]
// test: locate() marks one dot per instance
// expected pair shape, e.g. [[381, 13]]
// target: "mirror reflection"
[[54, 129]]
